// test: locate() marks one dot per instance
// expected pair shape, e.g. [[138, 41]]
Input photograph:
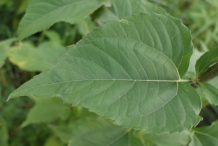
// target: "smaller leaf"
[[210, 74], [205, 61], [42, 14], [53, 36], [86, 26], [211, 93], [99, 132], [205, 136], [4, 47], [122, 9], [64, 132], [53, 141], [31, 59], [176, 139], [47, 110]]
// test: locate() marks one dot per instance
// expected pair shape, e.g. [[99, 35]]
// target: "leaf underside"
[[129, 71]]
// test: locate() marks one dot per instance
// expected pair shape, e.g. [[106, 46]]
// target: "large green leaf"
[[47, 110], [129, 71], [4, 47], [41, 14], [205, 136], [30, 58], [205, 61]]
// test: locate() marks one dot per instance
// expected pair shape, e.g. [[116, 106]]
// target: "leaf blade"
[[124, 77], [205, 61], [54, 11]]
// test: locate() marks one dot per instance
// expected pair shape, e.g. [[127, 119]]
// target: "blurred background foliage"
[[24, 121]]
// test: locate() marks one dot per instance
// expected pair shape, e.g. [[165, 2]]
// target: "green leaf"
[[205, 61], [128, 71], [53, 141], [63, 132], [86, 26], [122, 9], [47, 110], [30, 58], [205, 136], [131, 7], [4, 47], [98, 133], [53, 36], [210, 92], [176, 139], [42, 14]]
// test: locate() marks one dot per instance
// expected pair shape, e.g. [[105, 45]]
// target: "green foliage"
[[205, 61], [100, 74], [98, 133], [42, 14], [132, 70], [45, 56], [205, 135], [4, 47], [55, 109]]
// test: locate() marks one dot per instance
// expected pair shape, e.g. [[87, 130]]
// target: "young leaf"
[[98, 133], [205, 61], [205, 136], [128, 71], [41, 14], [35, 59], [4, 47], [54, 109]]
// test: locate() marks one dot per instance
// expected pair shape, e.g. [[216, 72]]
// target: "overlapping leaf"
[[205, 73], [131, 7], [4, 47], [98, 133], [47, 110], [176, 139], [122, 9], [205, 61], [129, 71], [30, 58], [205, 136], [41, 14]]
